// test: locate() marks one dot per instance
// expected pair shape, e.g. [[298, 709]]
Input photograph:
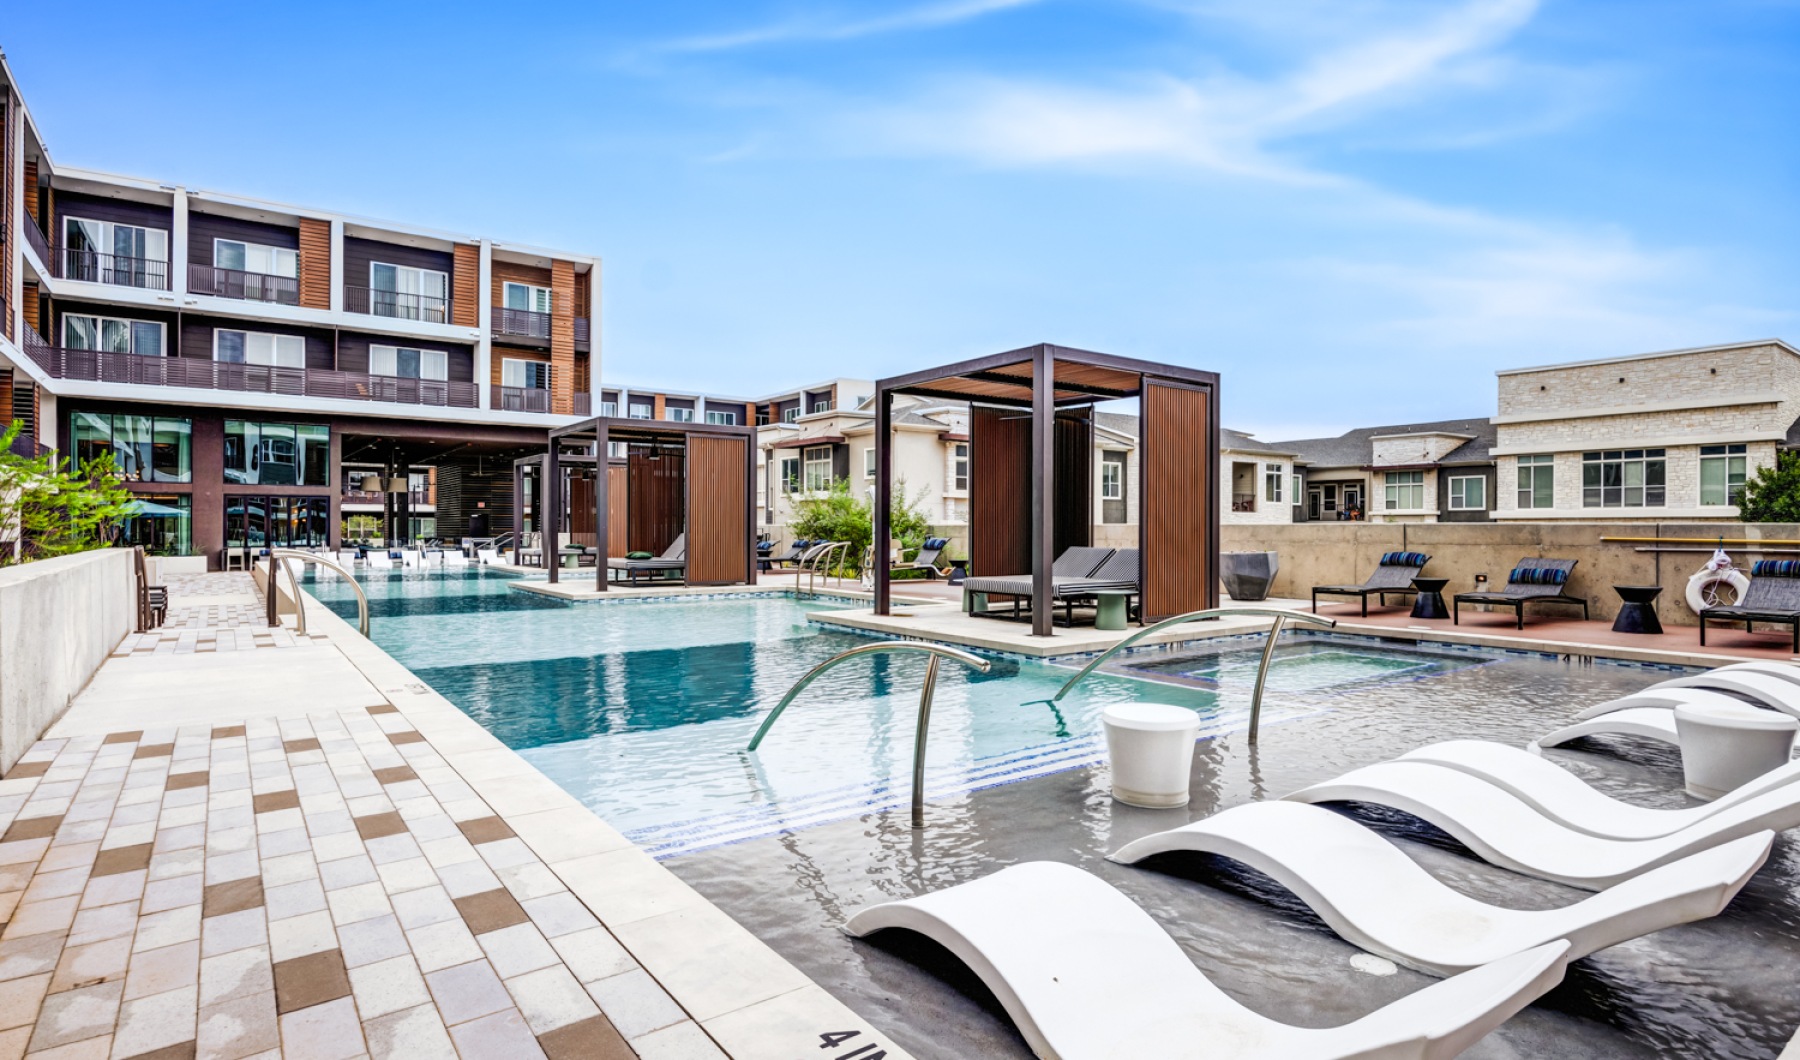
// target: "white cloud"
[[820, 28]]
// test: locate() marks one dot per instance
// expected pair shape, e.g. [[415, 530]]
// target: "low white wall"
[[59, 619]]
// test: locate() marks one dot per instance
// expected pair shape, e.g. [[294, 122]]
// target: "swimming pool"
[[642, 709]]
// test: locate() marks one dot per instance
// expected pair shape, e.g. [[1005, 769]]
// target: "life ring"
[[1705, 579]]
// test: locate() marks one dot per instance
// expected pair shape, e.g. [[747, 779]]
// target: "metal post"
[[269, 592], [918, 792], [1262, 675], [552, 518], [1043, 492], [884, 497]]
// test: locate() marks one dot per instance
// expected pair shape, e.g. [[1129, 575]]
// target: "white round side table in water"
[[1724, 747], [1151, 746]]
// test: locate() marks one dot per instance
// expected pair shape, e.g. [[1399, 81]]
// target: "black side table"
[[1638, 612], [1430, 601], [959, 569]]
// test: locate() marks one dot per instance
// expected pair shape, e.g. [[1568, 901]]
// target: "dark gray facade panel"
[[1446, 514], [197, 338], [203, 228], [118, 211], [360, 253], [353, 353]]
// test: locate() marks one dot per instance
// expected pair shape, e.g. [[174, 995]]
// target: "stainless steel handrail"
[[936, 652], [1281, 615], [820, 559], [362, 599]]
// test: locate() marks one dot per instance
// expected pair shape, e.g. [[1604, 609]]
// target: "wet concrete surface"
[[1722, 988]]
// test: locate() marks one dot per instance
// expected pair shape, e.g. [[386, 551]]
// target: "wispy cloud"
[[822, 27]]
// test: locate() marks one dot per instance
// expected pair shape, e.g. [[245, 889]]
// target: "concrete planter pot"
[[1248, 575]]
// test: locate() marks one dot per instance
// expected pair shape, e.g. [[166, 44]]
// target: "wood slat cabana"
[[1031, 472], [676, 478]]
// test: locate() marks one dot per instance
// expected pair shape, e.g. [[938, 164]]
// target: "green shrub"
[[840, 515], [52, 507], [1772, 495]]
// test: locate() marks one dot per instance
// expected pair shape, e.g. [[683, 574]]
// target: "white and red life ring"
[[1706, 577]]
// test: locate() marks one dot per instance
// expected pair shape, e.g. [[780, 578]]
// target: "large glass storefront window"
[[145, 448], [256, 521], [163, 524], [277, 454]]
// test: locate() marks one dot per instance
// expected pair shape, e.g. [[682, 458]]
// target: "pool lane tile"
[[593, 1038], [123, 859], [183, 781], [27, 770], [408, 736], [300, 746], [157, 750], [302, 982], [377, 825], [228, 732], [384, 708], [122, 737], [32, 828], [490, 911], [485, 830], [395, 774], [275, 800], [232, 897]]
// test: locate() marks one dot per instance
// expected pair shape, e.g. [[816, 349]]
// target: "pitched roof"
[[1357, 448]]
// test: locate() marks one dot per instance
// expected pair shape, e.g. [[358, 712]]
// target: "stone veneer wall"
[[1345, 553], [59, 619]]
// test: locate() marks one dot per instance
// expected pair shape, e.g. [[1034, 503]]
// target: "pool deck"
[[243, 842]]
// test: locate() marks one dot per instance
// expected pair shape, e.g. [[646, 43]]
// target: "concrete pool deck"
[[291, 846]]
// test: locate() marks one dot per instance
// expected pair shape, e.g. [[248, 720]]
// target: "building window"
[[1295, 491], [818, 468], [254, 257], [104, 252], [277, 454], [790, 474], [869, 462], [823, 404], [790, 415], [259, 347], [1405, 490], [1272, 479], [525, 375], [276, 522], [1468, 493], [959, 467], [1623, 478], [408, 293], [405, 362], [1722, 473], [162, 524], [112, 335], [618, 450], [1112, 476], [1537, 481], [641, 411], [609, 409], [144, 448], [525, 297], [721, 419], [675, 414]]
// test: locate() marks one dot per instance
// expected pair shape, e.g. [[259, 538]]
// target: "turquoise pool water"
[[643, 709]]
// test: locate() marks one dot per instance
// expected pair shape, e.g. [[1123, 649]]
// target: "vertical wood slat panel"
[[562, 337], [31, 195], [28, 304], [14, 136], [465, 281], [1074, 441], [315, 263], [655, 508], [1176, 483], [581, 507], [718, 541], [1000, 500], [618, 526]]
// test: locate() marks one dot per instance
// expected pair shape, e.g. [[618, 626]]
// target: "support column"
[[884, 497], [551, 519], [403, 502], [178, 245], [334, 533], [602, 507], [1043, 491], [518, 526], [484, 322], [337, 266]]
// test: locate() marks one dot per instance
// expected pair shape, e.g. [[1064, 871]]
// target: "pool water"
[[643, 709]]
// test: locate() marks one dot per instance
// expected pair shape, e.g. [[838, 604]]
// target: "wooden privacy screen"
[[618, 503], [999, 491], [581, 506], [718, 541], [656, 501], [1074, 479], [1179, 556]]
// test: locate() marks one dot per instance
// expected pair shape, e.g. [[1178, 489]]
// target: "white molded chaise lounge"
[[1087, 975], [1562, 796], [1658, 696], [1376, 897], [1650, 714], [1781, 671], [1504, 830], [379, 558], [1776, 693]]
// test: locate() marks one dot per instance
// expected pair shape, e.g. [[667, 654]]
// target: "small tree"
[[50, 507], [1772, 495], [840, 515]]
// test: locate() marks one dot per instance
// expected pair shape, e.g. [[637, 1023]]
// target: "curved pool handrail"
[[934, 652], [1281, 615], [362, 599]]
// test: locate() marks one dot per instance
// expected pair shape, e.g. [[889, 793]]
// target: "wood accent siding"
[[718, 541], [502, 354], [465, 286], [1177, 501], [1000, 508], [657, 499], [1074, 447], [30, 304], [468, 487], [315, 263], [31, 189], [504, 272], [618, 504], [11, 136], [562, 337], [582, 517]]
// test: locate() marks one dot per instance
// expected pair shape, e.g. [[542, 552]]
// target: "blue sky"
[[1354, 210]]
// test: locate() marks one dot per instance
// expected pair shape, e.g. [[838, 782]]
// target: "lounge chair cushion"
[[1404, 559], [936, 544], [640, 555], [1537, 576], [1775, 568]]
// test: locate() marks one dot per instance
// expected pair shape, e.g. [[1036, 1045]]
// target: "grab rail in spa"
[[285, 554], [1281, 615], [935, 652]]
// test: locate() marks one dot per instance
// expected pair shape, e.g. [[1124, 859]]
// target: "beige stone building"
[[1258, 482], [1656, 436]]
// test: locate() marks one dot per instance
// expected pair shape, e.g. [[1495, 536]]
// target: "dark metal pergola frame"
[[1042, 379], [591, 439]]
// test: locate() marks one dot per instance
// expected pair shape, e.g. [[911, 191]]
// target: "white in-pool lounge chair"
[[1562, 796], [380, 560], [1087, 975], [454, 558], [1781, 671], [1762, 689], [487, 556], [1504, 830], [1376, 897], [1650, 714]]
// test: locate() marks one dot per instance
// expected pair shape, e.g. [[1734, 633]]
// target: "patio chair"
[[926, 560], [1651, 712], [409, 557], [1393, 577], [1077, 562], [381, 559], [346, 558], [1773, 597], [1085, 974], [1532, 581], [1120, 573], [1503, 829], [153, 600], [455, 559], [793, 555], [487, 556], [672, 561], [1376, 897]]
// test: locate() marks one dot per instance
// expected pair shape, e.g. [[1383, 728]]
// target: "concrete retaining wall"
[[59, 619], [1346, 553]]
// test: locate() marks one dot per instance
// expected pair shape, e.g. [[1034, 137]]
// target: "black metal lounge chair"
[[1393, 577], [1075, 564], [795, 552], [1119, 573], [1532, 581], [672, 561], [1773, 596], [926, 560]]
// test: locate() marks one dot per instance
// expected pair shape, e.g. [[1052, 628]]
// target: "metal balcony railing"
[[426, 308], [35, 236], [584, 403], [247, 286], [521, 399], [521, 322], [1243, 502], [70, 263]]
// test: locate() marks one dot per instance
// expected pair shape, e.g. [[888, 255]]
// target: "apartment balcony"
[[1243, 502], [533, 329], [520, 399], [421, 307], [414, 498], [91, 266], [41, 246], [244, 286], [138, 370]]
